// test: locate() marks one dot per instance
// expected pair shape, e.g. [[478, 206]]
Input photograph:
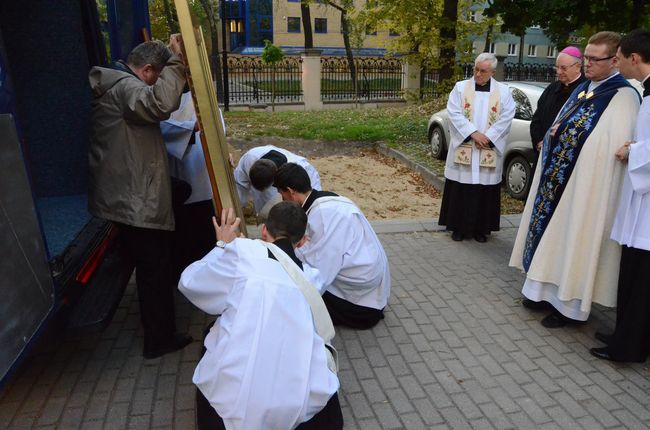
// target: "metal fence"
[[250, 81], [529, 72], [377, 79]]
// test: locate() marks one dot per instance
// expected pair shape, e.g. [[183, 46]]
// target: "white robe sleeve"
[[207, 282], [457, 120], [498, 132], [639, 157], [176, 135], [242, 180]]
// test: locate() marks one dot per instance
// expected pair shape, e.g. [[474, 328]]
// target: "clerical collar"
[[646, 86], [575, 80], [595, 84], [313, 195], [482, 88], [285, 245]]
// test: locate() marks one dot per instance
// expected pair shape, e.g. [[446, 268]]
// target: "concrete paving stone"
[[449, 383], [163, 413], [521, 420], [549, 368], [349, 382], [503, 400], [35, 399], [386, 416], [481, 424], [427, 412], [491, 365], [510, 385], [373, 391], [639, 394], [482, 377], [184, 420], [533, 410], [353, 349], [496, 416], [600, 414], [631, 405], [629, 421], [369, 424], [460, 329], [548, 385], [367, 338], [97, 406], [589, 422], [520, 377], [523, 361], [52, 411], [398, 335], [362, 368], [409, 353], [539, 395], [572, 389], [411, 326], [451, 339], [148, 374], [557, 358], [454, 418], [422, 373], [398, 365], [24, 421], [117, 415], [358, 405], [139, 422], [412, 387], [438, 395], [142, 401], [186, 371], [92, 425], [375, 356], [184, 398], [399, 400], [165, 387], [466, 405], [570, 405]]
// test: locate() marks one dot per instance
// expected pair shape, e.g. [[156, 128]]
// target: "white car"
[[519, 155]]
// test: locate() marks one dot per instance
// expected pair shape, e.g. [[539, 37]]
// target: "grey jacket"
[[129, 174]]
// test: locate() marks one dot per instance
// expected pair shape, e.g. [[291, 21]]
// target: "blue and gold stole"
[[576, 120]]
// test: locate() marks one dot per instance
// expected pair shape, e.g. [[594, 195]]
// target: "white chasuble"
[[265, 367], [496, 129], [632, 225], [576, 263]]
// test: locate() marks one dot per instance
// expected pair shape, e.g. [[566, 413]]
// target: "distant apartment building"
[[250, 22]]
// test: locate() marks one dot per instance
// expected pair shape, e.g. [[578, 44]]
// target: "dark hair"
[[287, 219], [609, 38], [636, 41], [153, 52], [291, 175], [261, 173]]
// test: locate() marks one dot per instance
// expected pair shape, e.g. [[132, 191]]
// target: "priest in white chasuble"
[[630, 341], [480, 114], [563, 243]]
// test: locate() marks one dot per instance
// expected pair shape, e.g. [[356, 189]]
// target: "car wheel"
[[518, 177], [438, 144]]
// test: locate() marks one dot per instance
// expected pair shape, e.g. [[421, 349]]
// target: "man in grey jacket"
[[129, 176]]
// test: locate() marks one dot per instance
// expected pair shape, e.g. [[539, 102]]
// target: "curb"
[[432, 178]]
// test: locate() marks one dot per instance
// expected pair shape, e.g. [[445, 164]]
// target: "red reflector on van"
[[96, 257]]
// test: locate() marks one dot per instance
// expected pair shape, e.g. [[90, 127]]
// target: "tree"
[[517, 16], [272, 54], [306, 24], [344, 7]]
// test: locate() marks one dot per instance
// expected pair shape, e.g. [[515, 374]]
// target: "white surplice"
[[576, 263], [632, 224], [461, 127], [246, 190], [186, 161], [350, 259], [265, 366]]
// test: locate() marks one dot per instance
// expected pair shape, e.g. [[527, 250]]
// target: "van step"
[[95, 307]]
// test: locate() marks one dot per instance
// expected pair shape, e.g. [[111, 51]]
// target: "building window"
[[491, 48], [320, 25], [293, 24], [550, 52], [294, 1], [512, 49], [532, 50]]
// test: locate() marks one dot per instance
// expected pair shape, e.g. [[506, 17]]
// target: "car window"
[[524, 110]]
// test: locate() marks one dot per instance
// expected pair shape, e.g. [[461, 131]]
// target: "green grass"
[[401, 128]]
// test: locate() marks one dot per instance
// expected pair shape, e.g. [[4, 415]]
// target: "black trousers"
[[194, 236], [348, 314], [149, 251], [631, 338], [329, 418]]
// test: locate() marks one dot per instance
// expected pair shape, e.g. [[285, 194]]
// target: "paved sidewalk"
[[456, 350]]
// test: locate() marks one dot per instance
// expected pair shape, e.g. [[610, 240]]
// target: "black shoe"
[[457, 236], [604, 338], [556, 320], [602, 353], [480, 238], [179, 341], [535, 306]]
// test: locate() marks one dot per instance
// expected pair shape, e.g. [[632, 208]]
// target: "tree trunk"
[[345, 27], [637, 12], [211, 14], [448, 40], [520, 69], [488, 38], [169, 17], [306, 24]]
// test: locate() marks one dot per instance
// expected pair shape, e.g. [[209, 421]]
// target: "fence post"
[[311, 80], [500, 74], [410, 81]]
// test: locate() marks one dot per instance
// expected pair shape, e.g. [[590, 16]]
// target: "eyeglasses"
[[595, 60], [565, 68]]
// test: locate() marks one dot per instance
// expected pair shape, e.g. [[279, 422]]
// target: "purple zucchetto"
[[572, 51]]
